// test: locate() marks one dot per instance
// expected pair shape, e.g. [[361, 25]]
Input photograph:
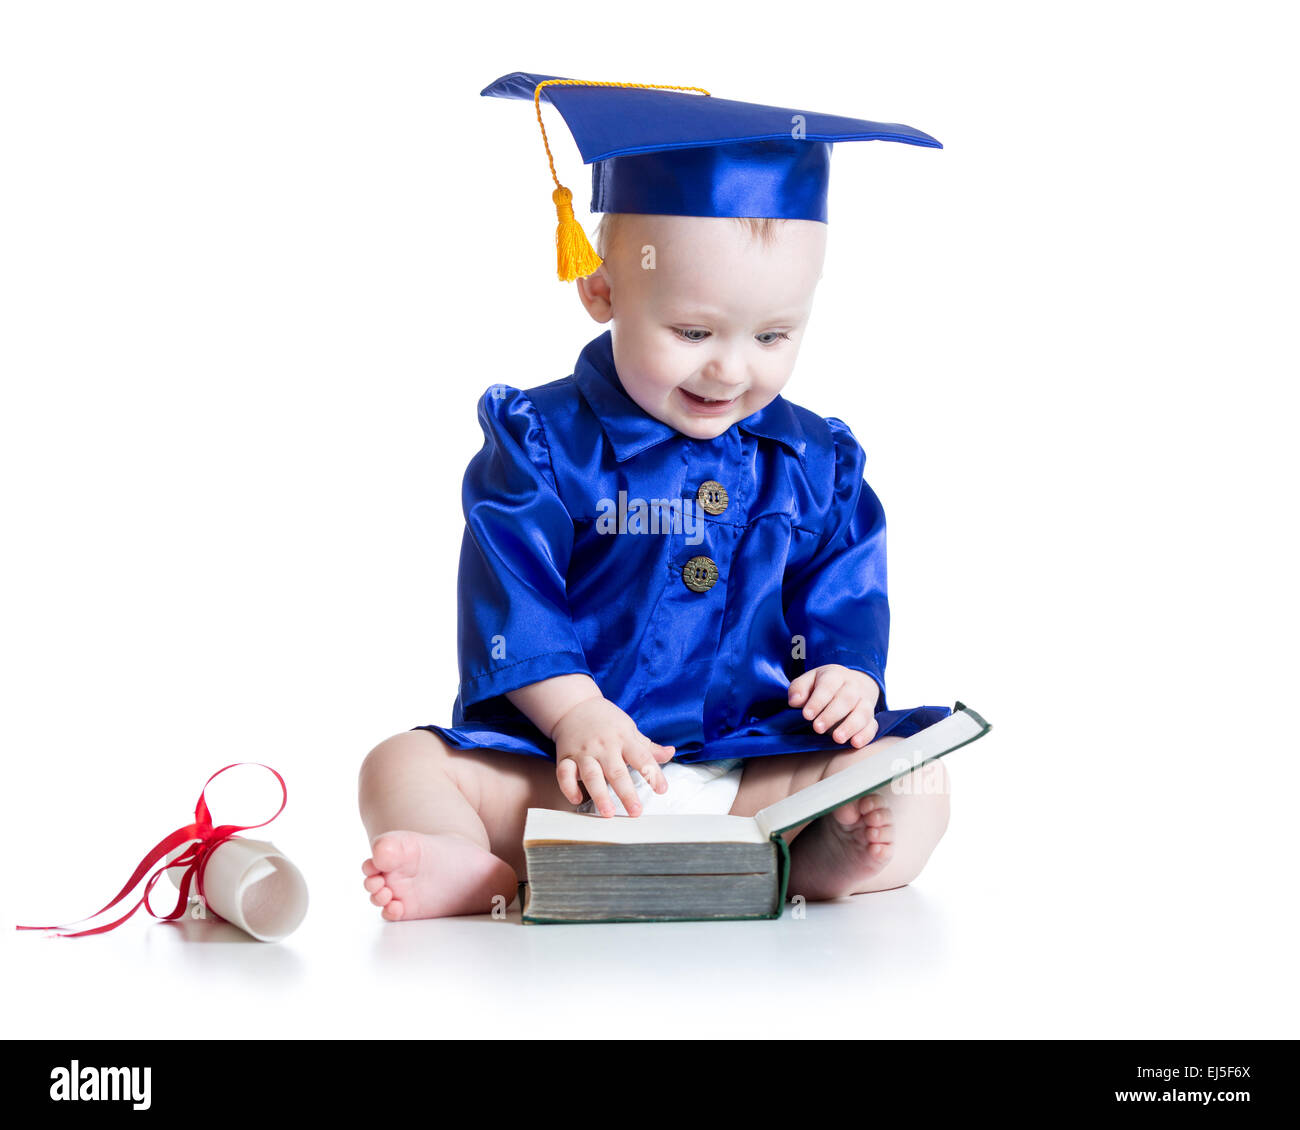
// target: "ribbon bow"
[[205, 839]]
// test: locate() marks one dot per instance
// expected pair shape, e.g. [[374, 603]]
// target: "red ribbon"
[[206, 839]]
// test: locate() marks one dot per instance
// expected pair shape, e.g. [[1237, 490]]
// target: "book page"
[[960, 727], [555, 826]]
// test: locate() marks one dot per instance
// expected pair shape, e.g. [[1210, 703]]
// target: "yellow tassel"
[[574, 256]]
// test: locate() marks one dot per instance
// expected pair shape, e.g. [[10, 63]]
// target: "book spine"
[[783, 872]]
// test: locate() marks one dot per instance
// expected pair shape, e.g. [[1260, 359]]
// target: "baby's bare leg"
[[446, 825], [873, 844]]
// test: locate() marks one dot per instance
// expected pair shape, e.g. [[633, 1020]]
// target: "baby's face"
[[709, 334]]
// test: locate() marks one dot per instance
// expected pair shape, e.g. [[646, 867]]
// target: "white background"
[[259, 260]]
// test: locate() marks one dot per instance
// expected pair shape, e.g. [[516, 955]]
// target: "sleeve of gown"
[[513, 624], [839, 602]]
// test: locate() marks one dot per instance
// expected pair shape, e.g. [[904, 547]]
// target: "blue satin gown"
[[691, 579]]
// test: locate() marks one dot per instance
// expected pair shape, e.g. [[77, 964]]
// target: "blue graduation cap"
[[678, 151]]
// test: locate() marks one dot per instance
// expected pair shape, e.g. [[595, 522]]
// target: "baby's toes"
[[873, 802], [393, 911], [878, 817], [871, 809], [374, 883], [386, 851], [878, 824], [382, 896]]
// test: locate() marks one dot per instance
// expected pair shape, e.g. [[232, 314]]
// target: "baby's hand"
[[836, 694], [596, 742]]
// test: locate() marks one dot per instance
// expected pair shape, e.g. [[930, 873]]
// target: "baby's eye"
[[686, 335], [772, 336]]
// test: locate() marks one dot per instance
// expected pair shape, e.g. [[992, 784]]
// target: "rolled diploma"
[[249, 883]]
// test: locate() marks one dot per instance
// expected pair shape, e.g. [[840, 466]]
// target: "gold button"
[[712, 496], [700, 574]]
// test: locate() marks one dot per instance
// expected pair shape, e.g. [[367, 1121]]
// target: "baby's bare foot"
[[417, 875], [840, 851]]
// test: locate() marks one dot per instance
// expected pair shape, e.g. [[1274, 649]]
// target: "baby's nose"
[[724, 377]]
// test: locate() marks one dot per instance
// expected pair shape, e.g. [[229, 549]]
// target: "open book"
[[583, 867]]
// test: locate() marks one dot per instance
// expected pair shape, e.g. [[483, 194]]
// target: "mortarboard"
[[678, 151]]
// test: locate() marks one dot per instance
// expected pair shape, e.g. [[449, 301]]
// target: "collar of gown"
[[631, 430]]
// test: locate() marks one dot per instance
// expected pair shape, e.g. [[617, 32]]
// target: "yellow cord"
[[575, 257]]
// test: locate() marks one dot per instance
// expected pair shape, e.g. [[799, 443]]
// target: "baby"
[[707, 315]]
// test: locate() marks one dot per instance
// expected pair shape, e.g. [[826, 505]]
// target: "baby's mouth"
[[706, 404]]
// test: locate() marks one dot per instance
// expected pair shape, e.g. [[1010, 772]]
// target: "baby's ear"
[[596, 295]]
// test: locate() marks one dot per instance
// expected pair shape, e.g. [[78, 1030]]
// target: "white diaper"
[[701, 787]]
